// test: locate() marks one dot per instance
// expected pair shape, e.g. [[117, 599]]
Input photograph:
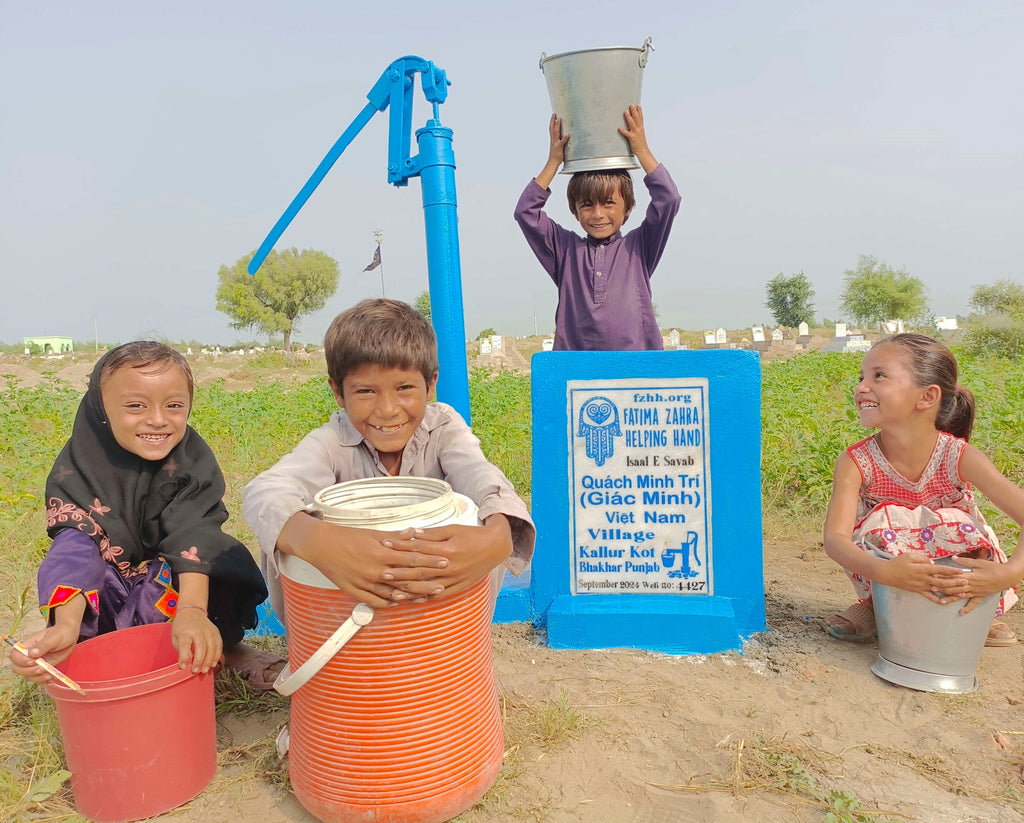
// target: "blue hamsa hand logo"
[[599, 424]]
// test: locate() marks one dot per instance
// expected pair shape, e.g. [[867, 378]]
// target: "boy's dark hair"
[[380, 332], [598, 186], [141, 354], [932, 362]]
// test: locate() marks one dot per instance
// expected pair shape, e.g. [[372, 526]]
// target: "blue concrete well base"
[[670, 625], [629, 448], [515, 600]]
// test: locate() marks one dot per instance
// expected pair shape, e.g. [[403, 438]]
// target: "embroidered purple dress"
[[124, 528]]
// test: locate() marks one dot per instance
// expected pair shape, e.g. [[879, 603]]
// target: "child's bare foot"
[[1000, 635], [856, 623], [259, 668]]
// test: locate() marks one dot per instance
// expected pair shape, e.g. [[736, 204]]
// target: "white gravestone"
[[709, 337], [758, 332], [496, 342], [485, 346], [720, 336], [803, 330], [840, 330], [777, 336]]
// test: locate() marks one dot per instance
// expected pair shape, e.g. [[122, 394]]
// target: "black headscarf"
[[137, 509]]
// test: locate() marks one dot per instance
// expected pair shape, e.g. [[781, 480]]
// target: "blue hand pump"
[[435, 166]]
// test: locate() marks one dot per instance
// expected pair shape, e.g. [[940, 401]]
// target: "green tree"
[[874, 292], [789, 299], [422, 303], [998, 325], [1006, 296], [486, 333], [289, 285]]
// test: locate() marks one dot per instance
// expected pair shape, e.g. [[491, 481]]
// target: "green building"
[[48, 345]]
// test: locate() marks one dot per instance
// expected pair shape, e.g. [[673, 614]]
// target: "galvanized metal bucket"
[[925, 646], [590, 90]]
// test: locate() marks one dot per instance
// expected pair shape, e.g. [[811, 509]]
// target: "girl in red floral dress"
[[906, 492]]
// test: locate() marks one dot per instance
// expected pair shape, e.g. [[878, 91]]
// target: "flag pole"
[[378, 235]]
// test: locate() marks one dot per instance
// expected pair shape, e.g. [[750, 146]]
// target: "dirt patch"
[[760, 736]]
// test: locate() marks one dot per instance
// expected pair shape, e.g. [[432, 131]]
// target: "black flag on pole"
[[376, 260]]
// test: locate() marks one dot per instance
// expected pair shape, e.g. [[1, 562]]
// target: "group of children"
[[134, 500]]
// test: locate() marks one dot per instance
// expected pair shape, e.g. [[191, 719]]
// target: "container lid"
[[389, 503]]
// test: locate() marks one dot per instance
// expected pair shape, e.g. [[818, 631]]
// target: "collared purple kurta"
[[604, 286]]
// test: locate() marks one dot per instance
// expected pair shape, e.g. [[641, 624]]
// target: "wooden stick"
[[46, 667]]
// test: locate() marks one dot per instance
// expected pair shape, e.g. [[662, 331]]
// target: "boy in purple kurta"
[[604, 280]]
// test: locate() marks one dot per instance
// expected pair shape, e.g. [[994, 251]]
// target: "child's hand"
[[471, 551], [355, 560], [556, 150], [197, 640], [984, 578], [637, 137], [915, 572], [53, 644]]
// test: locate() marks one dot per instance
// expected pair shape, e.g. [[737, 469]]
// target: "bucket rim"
[[340, 499], [117, 688], [547, 57], [103, 691], [642, 49]]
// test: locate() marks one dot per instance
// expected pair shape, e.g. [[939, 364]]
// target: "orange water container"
[[402, 725]]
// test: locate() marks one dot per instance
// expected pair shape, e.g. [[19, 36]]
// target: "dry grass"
[[790, 770], [943, 774], [532, 732]]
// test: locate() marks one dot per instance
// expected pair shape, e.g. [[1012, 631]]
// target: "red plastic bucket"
[[403, 724], [143, 739]]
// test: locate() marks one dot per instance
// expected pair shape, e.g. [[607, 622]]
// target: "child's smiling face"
[[147, 409], [602, 219], [386, 405], [887, 389]]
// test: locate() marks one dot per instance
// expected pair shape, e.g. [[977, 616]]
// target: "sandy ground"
[[694, 738]]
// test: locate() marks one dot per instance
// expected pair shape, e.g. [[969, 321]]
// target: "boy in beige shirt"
[[382, 367]]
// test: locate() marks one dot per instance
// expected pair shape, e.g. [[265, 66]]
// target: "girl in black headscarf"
[[134, 504]]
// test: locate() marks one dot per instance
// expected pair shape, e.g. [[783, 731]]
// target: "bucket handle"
[[647, 47], [288, 681]]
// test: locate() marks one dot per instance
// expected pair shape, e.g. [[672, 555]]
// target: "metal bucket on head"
[[925, 646], [590, 90]]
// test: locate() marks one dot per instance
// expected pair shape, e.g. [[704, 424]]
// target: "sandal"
[[258, 668], [856, 623], [1000, 635]]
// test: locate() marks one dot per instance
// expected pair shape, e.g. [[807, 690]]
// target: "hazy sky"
[[143, 145]]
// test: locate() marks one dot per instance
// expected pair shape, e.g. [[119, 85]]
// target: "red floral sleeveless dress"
[[936, 514]]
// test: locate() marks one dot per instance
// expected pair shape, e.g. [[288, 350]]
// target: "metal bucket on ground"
[[402, 725], [925, 646], [590, 90]]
